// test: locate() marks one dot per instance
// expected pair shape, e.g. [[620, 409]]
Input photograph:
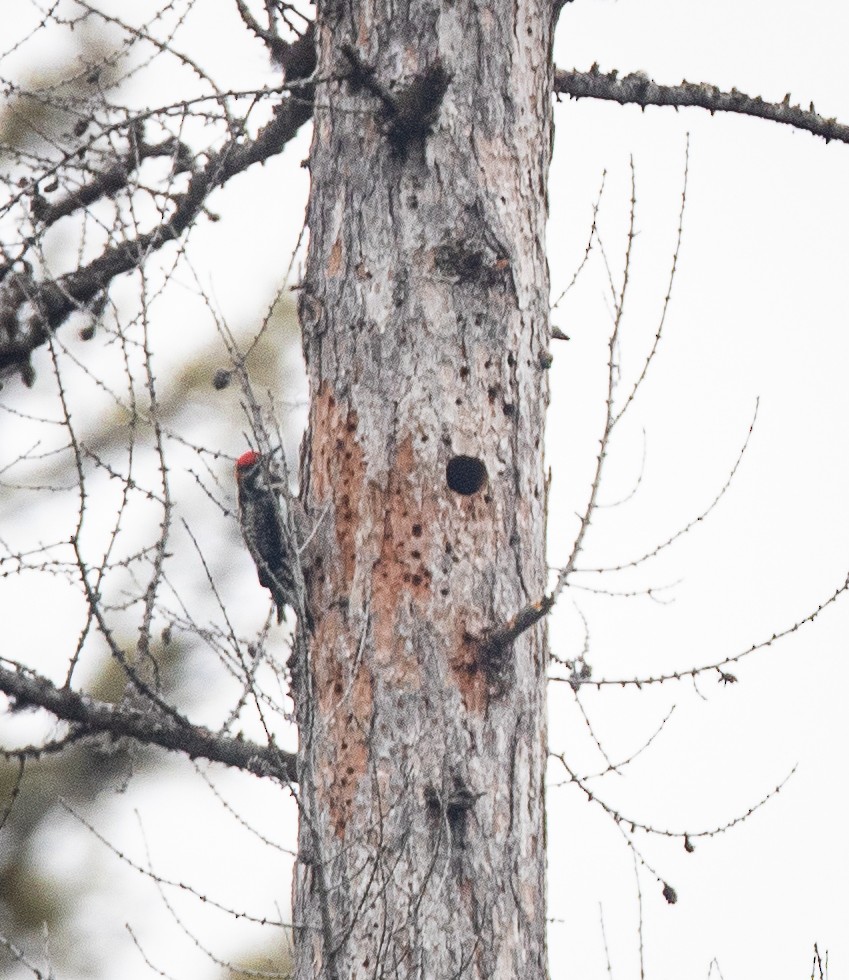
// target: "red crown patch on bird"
[[247, 459]]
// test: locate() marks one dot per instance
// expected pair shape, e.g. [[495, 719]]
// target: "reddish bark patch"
[[337, 476], [471, 679], [345, 699], [343, 685], [402, 570], [334, 262]]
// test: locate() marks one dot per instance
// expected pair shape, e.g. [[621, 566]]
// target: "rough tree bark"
[[424, 310]]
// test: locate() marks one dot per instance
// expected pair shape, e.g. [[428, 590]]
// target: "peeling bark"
[[424, 311]]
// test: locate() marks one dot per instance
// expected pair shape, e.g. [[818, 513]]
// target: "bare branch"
[[114, 179], [724, 676], [55, 301], [285, 53], [588, 248], [691, 524], [650, 357], [147, 725], [638, 89], [31, 310], [623, 821], [610, 418], [21, 960], [162, 882], [498, 639]]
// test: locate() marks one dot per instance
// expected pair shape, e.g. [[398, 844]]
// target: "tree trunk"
[[424, 311]]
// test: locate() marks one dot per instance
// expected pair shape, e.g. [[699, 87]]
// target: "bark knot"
[[409, 113]]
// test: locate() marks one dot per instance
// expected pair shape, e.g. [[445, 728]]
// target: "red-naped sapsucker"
[[262, 517]]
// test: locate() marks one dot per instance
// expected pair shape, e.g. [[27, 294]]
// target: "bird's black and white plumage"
[[264, 528]]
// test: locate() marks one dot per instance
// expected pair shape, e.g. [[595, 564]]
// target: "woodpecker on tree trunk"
[[265, 529]]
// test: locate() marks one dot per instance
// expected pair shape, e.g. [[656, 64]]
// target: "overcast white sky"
[[758, 311]]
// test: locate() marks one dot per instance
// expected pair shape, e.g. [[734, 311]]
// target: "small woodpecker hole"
[[465, 475]]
